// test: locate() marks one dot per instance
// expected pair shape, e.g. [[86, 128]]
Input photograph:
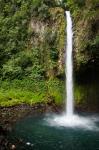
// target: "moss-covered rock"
[[49, 36], [86, 35]]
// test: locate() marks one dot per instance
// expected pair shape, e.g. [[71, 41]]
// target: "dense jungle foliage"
[[32, 48]]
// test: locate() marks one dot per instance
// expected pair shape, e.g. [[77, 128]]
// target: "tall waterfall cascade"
[[69, 66]]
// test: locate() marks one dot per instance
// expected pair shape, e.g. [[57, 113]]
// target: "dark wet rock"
[[2, 131], [4, 144]]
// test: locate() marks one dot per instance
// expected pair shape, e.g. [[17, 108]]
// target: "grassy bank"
[[30, 92]]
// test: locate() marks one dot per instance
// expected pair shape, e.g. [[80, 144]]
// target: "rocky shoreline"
[[9, 115]]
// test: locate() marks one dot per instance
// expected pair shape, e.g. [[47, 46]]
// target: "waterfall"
[[69, 119], [69, 67]]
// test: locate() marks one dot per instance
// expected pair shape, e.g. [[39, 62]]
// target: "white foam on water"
[[74, 121]]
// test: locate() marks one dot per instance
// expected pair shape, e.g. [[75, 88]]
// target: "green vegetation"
[[29, 51], [30, 92], [32, 39], [29, 42]]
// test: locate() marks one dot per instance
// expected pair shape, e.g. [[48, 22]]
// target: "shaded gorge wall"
[[86, 53]]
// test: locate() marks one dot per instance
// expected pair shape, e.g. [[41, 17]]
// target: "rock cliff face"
[[86, 53], [86, 40], [49, 36]]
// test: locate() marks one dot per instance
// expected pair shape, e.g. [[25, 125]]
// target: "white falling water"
[[69, 67]]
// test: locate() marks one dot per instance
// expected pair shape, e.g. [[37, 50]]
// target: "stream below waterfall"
[[34, 132]]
